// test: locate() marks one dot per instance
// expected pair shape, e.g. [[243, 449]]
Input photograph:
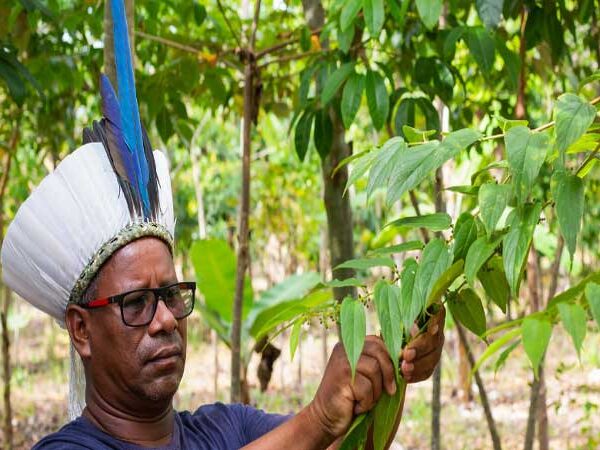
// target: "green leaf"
[[399, 248], [374, 15], [433, 222], [481, 45], [344, 283], [490, 12], [417, 163], [494, 282], [295, 337], [430, 11], [215, 265], [464, 189], [574, 320], [495, 347], [335, 80], [276, 315], [164, 124], [409, 310], [466, 308], [479, 252], [573, 117], [435, 259], [349, 13], [592, 294], [413, 135], [377, 99], [366, 263], [363, 164], [504, 356], [517, 241], [385, 412], [526, 151], [465, 233], [345, 38], [323, 135], [574, 291], [587, 80], [569, 196], [354, 330], [351, 97], [384, 164], [199, 13], [493, 200], [387, 304], [356, 436], [536, 334], [302, 134], [444, 282]]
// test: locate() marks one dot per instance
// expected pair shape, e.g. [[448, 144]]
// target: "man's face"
[[136, 364]]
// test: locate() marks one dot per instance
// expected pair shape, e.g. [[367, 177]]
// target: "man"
[[92, 247]]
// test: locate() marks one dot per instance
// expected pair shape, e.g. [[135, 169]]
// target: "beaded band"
[[124, 237]]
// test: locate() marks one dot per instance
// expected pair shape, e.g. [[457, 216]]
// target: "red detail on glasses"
[[98, 302]]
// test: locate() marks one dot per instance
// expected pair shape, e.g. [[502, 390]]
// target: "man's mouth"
[[165, 356]]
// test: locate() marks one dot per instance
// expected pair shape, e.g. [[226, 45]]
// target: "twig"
[[281, 45], [184, 47], [589, 158], [415, 204], [235, 36], [287, 58], [255, 25]]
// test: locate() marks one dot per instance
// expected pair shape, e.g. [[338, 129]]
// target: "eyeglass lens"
[[139, 306]]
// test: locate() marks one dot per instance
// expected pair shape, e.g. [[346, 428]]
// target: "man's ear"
[[77, 320]]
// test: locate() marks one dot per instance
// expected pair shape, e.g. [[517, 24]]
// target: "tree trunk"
[[109, 52], [250, 110], [6, 363], [337, 205], [482, 392]]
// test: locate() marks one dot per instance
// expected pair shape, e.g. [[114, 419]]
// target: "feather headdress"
[[121, 131]]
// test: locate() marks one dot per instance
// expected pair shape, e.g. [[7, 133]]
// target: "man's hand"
[[338, 399], [422, 354]]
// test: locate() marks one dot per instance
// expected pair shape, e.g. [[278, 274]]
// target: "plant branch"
[[254, 25], [275, 48], [415, 205], [184, 47], [288, 58], [591, 156], [228, 23], [482, 392]]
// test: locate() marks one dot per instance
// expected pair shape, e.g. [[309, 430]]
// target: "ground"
[[40, 389]]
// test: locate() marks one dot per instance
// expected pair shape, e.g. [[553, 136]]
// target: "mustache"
[[155, 344]]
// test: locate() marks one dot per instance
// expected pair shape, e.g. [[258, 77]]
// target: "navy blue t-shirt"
[[211, 427]]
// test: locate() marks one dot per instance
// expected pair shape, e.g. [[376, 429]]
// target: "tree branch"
[[185, 48], [275, 48], [235, 36]]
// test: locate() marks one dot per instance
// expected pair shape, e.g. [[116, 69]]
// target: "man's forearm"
[[301, 432]]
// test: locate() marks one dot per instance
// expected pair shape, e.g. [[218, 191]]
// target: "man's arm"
[[323, 423]]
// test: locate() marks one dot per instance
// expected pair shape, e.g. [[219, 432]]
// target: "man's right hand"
[[338, 399]]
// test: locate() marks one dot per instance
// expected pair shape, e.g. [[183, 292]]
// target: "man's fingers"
[[369, 367], [423, 345], [375, 348], [422, 369], [363, 393]]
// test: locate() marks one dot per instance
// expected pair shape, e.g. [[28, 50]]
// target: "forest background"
[[297, 132]]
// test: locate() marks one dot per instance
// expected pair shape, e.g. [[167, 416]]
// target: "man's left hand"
[[422, 354]]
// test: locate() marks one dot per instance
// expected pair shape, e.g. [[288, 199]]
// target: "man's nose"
[[163, 321]]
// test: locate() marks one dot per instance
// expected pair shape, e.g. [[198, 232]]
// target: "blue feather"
[[112, 113], [132, 128]]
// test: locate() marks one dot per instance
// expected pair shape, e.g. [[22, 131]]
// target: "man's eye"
[[136, 300]]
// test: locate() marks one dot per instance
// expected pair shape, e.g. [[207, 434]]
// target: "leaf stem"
[[591, 156]]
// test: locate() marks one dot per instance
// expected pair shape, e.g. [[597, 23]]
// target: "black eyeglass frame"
[[159, 294]]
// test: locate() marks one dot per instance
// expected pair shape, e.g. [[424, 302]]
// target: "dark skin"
[[132, 374]]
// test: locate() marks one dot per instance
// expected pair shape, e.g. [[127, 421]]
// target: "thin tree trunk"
[[250, 109], [6, 371], [6, 363], [337, 205], [482, 392]]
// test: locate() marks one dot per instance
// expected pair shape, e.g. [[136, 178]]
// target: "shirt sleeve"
[[256, 422]]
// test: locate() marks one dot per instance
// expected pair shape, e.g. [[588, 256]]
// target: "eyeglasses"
[[139, 306]]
